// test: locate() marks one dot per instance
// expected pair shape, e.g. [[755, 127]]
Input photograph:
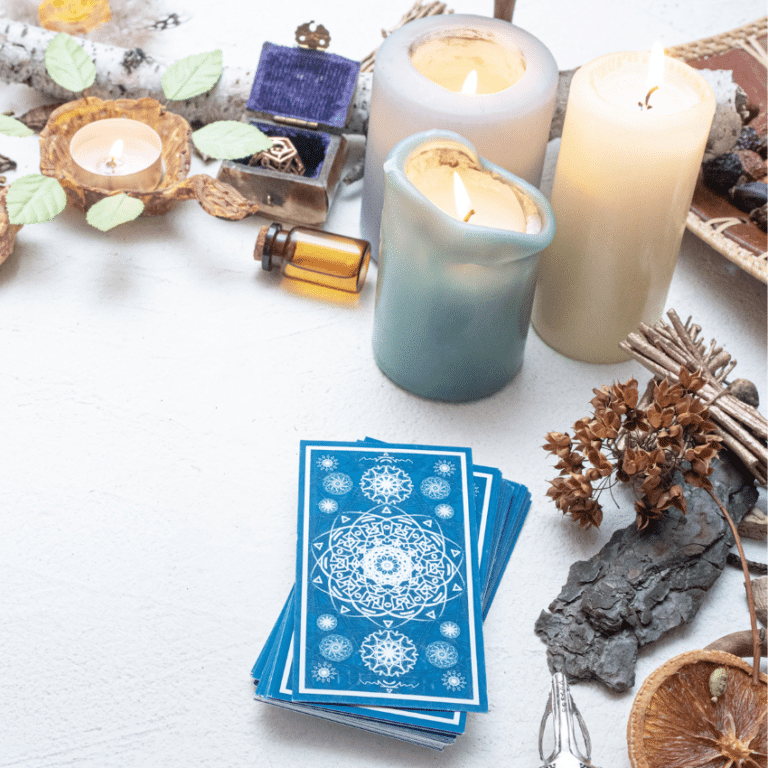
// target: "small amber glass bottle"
[[333, 261]]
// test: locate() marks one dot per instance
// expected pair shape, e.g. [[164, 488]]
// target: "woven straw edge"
[[636, 722], [709, 46], [755, 265]]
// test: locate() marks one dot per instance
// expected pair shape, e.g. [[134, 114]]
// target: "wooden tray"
[[713, 218]]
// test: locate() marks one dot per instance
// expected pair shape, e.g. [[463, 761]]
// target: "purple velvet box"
[[305, 96]]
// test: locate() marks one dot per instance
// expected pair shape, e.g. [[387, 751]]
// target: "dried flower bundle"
[[648, 445]]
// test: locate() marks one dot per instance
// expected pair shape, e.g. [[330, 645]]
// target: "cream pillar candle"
[[622, 189], [424, 78]]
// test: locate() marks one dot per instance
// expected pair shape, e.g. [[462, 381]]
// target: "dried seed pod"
[[718, 682]]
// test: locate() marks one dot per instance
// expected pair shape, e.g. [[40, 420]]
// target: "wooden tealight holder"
[[216, 198]]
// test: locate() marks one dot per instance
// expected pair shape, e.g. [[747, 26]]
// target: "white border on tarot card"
[[452, 719], [484, 515], [367, 448]]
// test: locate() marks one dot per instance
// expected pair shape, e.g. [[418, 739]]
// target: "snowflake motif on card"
[[449, 629], [336, 648], [441, 654], [454, 681], [435, 488], [444, 468], [329, 506], [388, 566], [388, 653], [386, 485], [444, 511], [327, 622], [324, 672], [337, 483], [327, 463]]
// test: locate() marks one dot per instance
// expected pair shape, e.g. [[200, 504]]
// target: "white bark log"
[[129, 73]]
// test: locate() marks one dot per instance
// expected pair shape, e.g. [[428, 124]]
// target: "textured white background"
[[154, 387]]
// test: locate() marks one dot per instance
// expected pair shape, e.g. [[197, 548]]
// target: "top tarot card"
[[388, 608]]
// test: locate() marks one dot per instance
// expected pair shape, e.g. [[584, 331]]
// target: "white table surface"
[[155, 385]]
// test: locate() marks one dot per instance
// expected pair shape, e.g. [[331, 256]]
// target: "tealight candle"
[[117, 154], [457, 268], [631, 150], [488, 80]]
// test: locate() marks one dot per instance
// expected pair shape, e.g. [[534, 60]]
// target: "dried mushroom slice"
[[675, 723]]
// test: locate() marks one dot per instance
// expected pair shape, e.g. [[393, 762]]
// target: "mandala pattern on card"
[[327, 462], [441, 654], [444, 468], [454, 681], [386, 485], [388, 566], [327, 622], [388, 653], [329, 506], [449, 629], [435, 488], [336, 647], [444, 511], [337, 483], [324, 672]]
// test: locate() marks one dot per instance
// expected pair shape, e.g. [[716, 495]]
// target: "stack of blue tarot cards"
[[401, 549]]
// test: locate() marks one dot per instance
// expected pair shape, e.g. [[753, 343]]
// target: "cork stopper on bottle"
[[261, 240]]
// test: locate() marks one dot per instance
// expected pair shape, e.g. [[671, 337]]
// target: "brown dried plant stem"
[[663, 348], [748, 585]]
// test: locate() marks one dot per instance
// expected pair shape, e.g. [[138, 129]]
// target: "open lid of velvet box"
[[304, 87]]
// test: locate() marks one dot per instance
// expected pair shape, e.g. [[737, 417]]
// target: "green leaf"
[[34, 199], [229, 139], [10, 126], [113, 211], [68, 64], [192, 76]]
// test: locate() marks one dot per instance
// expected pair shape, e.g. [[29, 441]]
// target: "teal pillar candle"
[[454, 297]]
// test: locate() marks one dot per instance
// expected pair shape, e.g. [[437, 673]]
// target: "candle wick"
[[647, 98], [469, 215]]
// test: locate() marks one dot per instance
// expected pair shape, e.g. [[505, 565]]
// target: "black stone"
[[722, 172], [642, 584]]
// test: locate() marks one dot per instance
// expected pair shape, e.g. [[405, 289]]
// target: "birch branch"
[[130, 73]]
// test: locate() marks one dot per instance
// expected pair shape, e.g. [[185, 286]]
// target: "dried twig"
[[418, 11], [664, 347], [761, 569]]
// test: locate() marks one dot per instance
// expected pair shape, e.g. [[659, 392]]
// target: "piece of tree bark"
[[644, 583], [754, 525]]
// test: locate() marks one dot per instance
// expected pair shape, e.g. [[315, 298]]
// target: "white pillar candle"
[[117, 154], [421, 70], [622, 189]]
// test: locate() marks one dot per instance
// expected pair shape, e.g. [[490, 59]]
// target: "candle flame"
[[115, 152], [463, 201], [470, 84], [655, 67]]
